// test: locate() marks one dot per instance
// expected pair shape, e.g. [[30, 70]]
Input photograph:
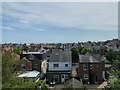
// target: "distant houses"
[[33, 61], [53, 62]]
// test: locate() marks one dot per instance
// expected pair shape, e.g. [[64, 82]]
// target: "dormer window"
[[66, 65], [56, 65]]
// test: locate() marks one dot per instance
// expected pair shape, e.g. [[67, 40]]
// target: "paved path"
[[97, 86], [74, 72]]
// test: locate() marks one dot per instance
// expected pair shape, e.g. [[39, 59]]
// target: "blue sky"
[[58, 22]]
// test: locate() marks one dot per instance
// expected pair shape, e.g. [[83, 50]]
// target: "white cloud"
[[90, 16], [8, 28], [24, 21]]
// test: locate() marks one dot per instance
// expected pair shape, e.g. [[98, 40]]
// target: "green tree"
[[111, 55], [16, 50], [74, 54], [82, 50], [9, 76], [113, 81]]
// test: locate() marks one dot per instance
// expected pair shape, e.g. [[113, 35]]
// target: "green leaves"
[[114, 80], [16, 50], [80, 50], [74, 54], [111, 55], [9, 76]]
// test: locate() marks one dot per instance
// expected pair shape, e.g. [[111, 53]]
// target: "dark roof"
[[63, 56], [73, 83], [87, 59], [28, 56]]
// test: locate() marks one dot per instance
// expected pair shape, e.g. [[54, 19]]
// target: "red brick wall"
[[96, 69], [28, 66]]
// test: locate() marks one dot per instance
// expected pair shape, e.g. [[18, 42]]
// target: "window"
[[47, 64], [91, 67], [85, 66], [36, 66], [66, 65], [56, 65], [85, 76], [22, 66], [66, 76], [56, 78]]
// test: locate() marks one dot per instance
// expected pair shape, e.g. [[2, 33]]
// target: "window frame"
[[85, 76], [85, 66], [66, 64], [55, 65]]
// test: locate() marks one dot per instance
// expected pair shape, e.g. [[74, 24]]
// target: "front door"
[[96, 79], [62, 78]]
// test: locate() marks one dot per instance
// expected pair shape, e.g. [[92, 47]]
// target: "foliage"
[[80, 50], [113, 80], [16, 50], [42, 84], [111, 55], [9, 77], [74, 54]]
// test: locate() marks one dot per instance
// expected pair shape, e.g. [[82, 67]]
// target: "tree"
[[16, 50], [82, 50], [9, 76], [74, 54], [111, 55], [113, 81]]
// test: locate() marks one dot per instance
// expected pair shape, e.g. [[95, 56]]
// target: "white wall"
[[44, 66], [61, 66]]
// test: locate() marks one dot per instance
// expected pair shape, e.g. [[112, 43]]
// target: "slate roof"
[[38, 56], [63, 56], [87, 59], [73, 83]]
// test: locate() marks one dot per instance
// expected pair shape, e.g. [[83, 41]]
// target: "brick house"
[[23, 65], [90, 70], [35, 61]]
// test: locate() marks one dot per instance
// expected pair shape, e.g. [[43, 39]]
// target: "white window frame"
[[85, 66], [85, 76], [21, 66], [91, 66]]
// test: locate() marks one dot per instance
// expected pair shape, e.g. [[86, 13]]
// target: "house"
[[90, 69], [59, 67], [38, 60], [23, 65], [34, 75]]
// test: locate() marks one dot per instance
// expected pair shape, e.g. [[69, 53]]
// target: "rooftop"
[[29, 74], [73, 83], [63, 56], [88, 58]]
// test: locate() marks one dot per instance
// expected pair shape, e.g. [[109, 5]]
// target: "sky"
[[50, 22]]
